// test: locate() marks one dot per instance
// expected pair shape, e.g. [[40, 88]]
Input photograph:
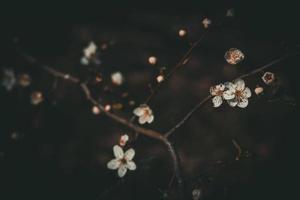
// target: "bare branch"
[[202, 102]]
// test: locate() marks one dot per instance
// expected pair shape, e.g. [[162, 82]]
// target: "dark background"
[[62, 148]]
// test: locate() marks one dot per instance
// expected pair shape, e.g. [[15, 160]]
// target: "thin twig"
[[206, 99], [147, 132]]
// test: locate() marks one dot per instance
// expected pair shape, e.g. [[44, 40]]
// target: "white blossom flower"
[[217, 92], [117, 78], [123, 161], [90, 50], [206, 22], [9, 79], [234, 56], [268, 77], [89, 54], [237, 94], [144, 113], [24, 80], [123, 140], [36, 97]]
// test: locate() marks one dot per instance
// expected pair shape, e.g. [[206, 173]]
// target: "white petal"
[[139, 111], [243, 103], [143, 119], [232, 102], [150, 119], [122, 170], [129, 154], [229, 86], [118, 152], [213, 90], [240, 84], [220, 87], [131, 165], [247, 93], [217, 101], [113, 164], [229, 94]]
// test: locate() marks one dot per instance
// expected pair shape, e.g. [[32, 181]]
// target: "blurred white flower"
[[160, 78], [123, 161], [258, 90], [117, 78], [206, 22], [217, 92], [9, 79], [144, 113], [123, 140], [88, 54], [237, 94], [24, 80], [36, 97], [234, 56], [90, 50], [268, 77], [152, 60], [230, 12]]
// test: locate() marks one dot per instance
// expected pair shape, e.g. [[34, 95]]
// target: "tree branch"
[[206, 99], [147, 132]]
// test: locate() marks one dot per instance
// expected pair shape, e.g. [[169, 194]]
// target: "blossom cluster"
[[236, 94]]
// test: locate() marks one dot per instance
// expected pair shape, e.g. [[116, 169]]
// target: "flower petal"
[[243, 103], [229, 86], [138, 111], [129, 154], [217, 101], [213, 90], [131, 165], [143, 119], [150, 119], [247, 93], [232, 102], [118, 152], [240, 84], [113, 164], [122, 171], [228, 94]]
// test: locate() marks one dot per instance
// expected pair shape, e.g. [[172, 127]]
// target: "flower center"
[[123, 160]]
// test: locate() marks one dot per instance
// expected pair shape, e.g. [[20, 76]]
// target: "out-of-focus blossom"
[[117, 106], [123, 140], [237, 94], [206, 22], [144, 113], [96, 110], [234, 56], [160, 78], [258, 90], [89, 54], [9, 79], [90, 50], [123, 161], [217, 92], [24, 80], [196, 194], [107, 107], [117, 78], [36, 97], [230, 12], [268, 77], [152, 60], [182, 32]]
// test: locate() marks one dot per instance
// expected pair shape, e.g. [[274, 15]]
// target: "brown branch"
[[206, 99], [184, 60], [147, 132]]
